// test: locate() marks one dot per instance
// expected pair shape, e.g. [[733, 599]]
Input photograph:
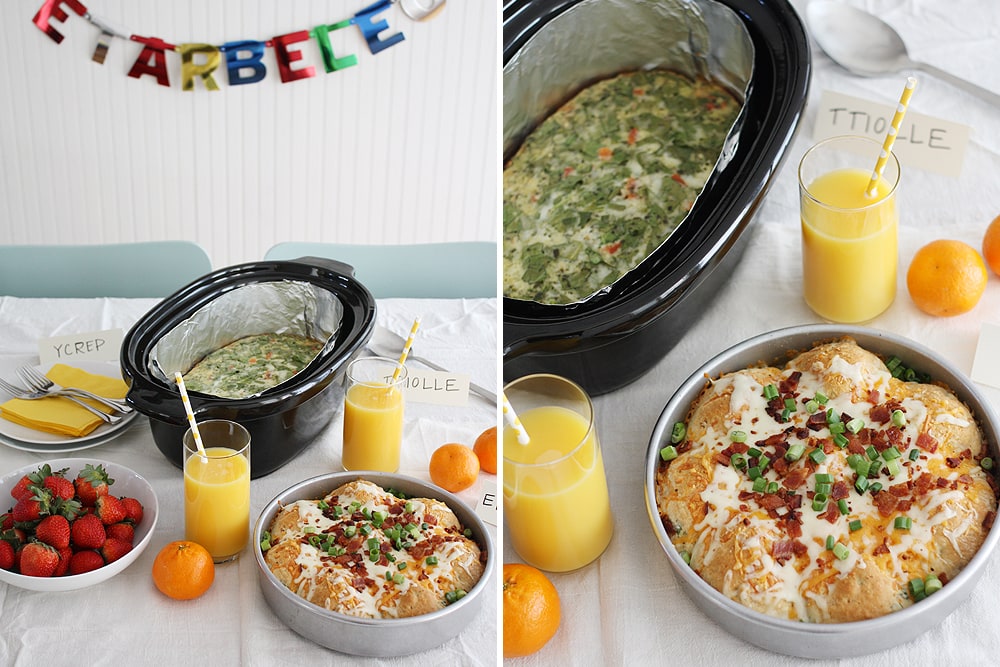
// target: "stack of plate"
[[31, 440]]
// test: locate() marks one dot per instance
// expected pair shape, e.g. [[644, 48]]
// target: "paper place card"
[[986, 365], [486, 508], [90, 346], [923, 141], [424, 386]]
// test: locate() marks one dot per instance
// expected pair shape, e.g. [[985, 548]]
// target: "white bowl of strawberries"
[[106, 516]]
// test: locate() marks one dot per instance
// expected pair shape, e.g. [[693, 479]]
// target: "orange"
[[485, 448], [946, 278], [454, 467], [991, 245], [183, 570], [530, 610]]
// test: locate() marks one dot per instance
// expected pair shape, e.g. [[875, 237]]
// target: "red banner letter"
[[52, 10], [286, 57], [153, 48]]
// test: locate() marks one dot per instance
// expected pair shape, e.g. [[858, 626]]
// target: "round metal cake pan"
[[374, 637], [821, 640]]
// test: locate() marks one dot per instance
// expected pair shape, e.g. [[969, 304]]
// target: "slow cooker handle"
[[328, 263]]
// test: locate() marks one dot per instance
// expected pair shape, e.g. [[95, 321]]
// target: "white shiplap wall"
[[401, 148]]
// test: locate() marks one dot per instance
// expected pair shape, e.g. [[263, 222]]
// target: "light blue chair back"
[[145, 269], [461, 269]]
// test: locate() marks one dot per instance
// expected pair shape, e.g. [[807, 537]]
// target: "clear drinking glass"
[[373, 415]]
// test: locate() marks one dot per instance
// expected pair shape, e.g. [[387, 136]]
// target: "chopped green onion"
[[772, 487], [753, 452], [855, 425], [790, 404], [401, 566], [785, 414], [337, 511], [854, 525], [762, 462], [891, 453], [668, 453], [986, 463], [932, 584], [914, 454], [893, 363], [824, 488], [875, 487], [812, 406], [916, 586], [821, 398], [832, 416], [372, 543], [760, 485], [754, 472], [841, 551], [454, 596], [861, 484], [686, 557], [738, 461], [898, 418], [871, 452], [770, 392], [842, 506], [823, 478], [366, 529], [862, 468], [374, 555], [408, 507], [840, 440], [678, 432], [893, 466], [837, 428], [265, 543], [853, 460], [350, 531], [902, 523], [309, 529], [468, 533], [795, 452], [817, 456], [738, 436], [322, 504], [830, 542], [431, 560], [398, 578], [819, 502]]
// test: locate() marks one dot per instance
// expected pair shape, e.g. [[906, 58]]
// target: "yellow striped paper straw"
[[890, 136], [514, 422], [406, 350], [190, 412]]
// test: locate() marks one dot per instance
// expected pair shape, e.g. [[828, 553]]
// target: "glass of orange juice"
[[373, 415], [555, 493], [849, 246], [217, 488]]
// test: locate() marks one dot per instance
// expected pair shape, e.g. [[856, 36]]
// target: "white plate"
[[60, 447], [9, 431], [126, 483]]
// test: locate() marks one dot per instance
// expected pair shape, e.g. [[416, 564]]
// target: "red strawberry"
[[133, 509], [121, 531], [34, 507], [87, 532], [65, 554], [114, 549], [54, 531], [92, 482], [6, 555], [21, 489], [85, 561], [109, 509], [6, 521], [39, 560], [60, 487]]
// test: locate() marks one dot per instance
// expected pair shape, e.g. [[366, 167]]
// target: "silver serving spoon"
[[867, 46], [387, 343]]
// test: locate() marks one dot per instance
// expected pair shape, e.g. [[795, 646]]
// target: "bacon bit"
[[927, 442], [668, 526], [632, 134], [885, 502], [567, 171], [612, 248], [874, 396], [854, 445], [900, 490], [780, 465], [680, 179], [840, 490], [629, 191], [832, 513], [745, 495], [638, 92], [816, 421], [796, 478], [904, 505], [953, 462], [721, 459], [880, 549], [604, 153], [880, 414], [770, 501], [965, 479], [827, 445], [252, 360], [793, 526], [782, 550], [791, 383], [923, 484], [941, 482]]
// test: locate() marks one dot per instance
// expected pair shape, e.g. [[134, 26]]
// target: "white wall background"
[[401, 148]]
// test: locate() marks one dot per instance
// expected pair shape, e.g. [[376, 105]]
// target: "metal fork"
[[32, 394], [36, 380]]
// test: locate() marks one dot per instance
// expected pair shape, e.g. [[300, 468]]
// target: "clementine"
[[946, 278], [485, 448], [530, 610], [183, 570], [454, 467], [991, 245]]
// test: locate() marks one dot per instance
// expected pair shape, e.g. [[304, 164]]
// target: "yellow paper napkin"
[[59, 415]]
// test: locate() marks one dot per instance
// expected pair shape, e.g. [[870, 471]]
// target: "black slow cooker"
[[282, 421], [613, 337]]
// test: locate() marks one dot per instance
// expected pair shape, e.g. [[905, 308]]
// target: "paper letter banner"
[[244, 59]]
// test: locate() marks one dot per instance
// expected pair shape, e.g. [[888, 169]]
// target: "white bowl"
[[126, 483]]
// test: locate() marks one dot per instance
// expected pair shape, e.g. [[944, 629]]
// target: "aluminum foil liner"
[[595, 39], [281, 306]]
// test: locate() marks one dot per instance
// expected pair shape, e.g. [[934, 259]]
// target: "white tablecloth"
[[126, 621], [627, 608]]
